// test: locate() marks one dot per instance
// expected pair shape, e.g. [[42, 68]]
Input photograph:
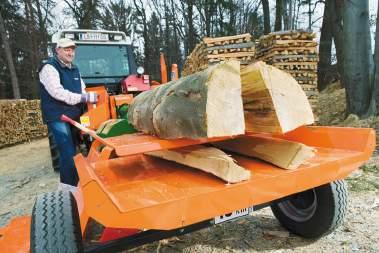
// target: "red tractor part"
[[135, 83]]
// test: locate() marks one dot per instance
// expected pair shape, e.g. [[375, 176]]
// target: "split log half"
[[273, 101], [208, 159], [204, 104], [282, 153]]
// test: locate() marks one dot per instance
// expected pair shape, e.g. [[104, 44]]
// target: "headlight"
[[140, 70]]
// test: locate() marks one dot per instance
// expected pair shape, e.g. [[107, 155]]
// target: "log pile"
[[214, 50], [20, 121], [296, 53], [225, 100], [194, 106]]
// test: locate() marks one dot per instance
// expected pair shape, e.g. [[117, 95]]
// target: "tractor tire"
[[55, 224], [54, 152], [315, 212]]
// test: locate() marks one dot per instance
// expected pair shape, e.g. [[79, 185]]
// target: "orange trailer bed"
[[122, 188], [137, 191]]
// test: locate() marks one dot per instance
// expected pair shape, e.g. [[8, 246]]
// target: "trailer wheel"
[[314, 212], [54, 152], [55, 224]]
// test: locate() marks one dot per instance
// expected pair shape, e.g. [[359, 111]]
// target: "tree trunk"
[[285, 15], [358, 61], [325, 49], [191, 28], [336, 8], [278, 15], [266, 16], [374, 108], [8, 55], [310, 15], [204, 104]]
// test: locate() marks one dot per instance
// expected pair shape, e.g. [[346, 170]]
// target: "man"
[[63, 92]]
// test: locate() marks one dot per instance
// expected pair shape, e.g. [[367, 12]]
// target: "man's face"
[[66, 54]]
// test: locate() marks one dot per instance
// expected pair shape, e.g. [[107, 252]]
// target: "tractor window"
[[102, 61]]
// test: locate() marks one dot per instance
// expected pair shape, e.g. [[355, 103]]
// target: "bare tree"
[[85, 12], [358, 60], [325, 48], [374, 103], [278, 15], [266, 16], [8, 54]]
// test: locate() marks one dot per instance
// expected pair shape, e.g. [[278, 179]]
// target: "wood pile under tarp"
[[20, 121], [214, 50], [296, 53]]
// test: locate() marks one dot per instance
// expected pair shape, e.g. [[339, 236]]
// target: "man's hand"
[[90, 97]]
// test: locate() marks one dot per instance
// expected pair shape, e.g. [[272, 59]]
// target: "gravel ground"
[[25, 172]]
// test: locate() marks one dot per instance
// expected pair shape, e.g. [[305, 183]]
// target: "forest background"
[[346, 29]]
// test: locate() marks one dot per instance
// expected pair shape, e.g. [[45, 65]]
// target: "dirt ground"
[[26, 171]]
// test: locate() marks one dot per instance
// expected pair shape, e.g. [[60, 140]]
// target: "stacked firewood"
[[20, 121], [34, 126], [214, 50], [296, 53]]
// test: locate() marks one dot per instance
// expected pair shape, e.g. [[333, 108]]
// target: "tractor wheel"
[[314, 212], [54, 152], [55, 224]]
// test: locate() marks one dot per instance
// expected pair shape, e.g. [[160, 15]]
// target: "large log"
[[282, 153], [208, 159], [273, 100], [204, 104]]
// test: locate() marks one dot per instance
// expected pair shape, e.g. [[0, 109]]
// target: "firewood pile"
[[214, 50], [20, 121], [296, 53]]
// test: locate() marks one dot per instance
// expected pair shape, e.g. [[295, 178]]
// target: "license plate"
[[94, 36], [233, 215]]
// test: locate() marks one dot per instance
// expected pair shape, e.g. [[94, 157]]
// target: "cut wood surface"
[[204, 104], [208, 159], [282, 153], [20, 121], [273, 100], [245, 36], [212, 50]]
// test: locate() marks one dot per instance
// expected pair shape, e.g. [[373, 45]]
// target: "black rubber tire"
[[313, 213], [55, 224], [54, 152]]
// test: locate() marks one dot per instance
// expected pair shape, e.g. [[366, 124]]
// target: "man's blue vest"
[[52, 109]]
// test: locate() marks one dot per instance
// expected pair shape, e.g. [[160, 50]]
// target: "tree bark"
[[325, 48], [358, 61], [286, 21], [374, 104], [191, 28], [204, 104], [336, 8], [9, 57], [278, 15], [266, 16]]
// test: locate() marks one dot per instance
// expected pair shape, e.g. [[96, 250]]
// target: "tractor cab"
[[105, 58]]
